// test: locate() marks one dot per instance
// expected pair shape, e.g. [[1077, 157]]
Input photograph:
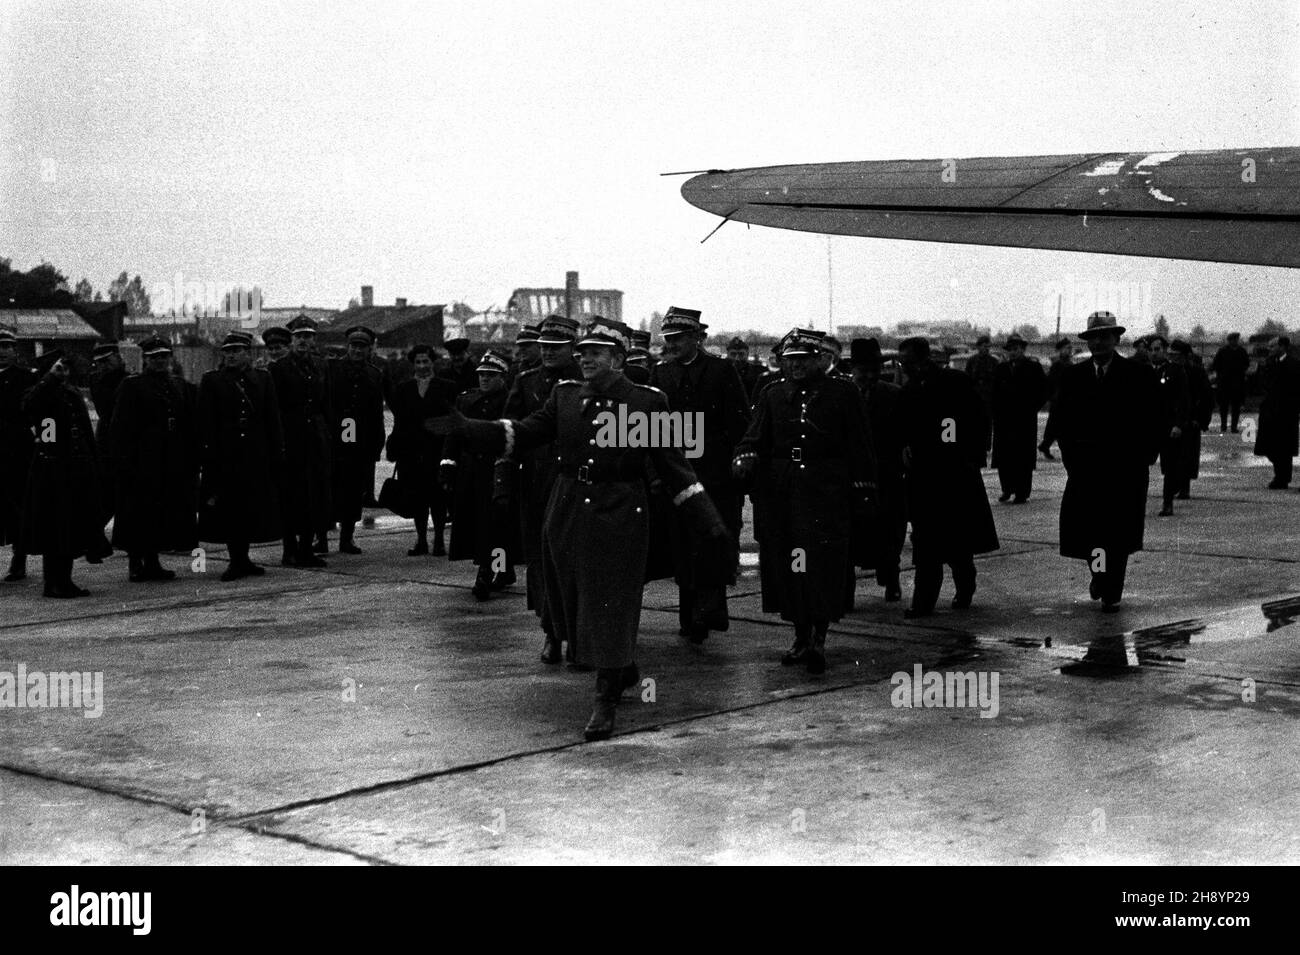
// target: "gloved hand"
[[452, 423]]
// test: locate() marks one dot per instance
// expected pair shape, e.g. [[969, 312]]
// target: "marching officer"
[[62, 511], [809, 449], [481, 528], [1019, 390], [1109, 427], [1176, 410], [879, 543], [738, 355], [1202, 395], [15, 450], [302, 392], [416, 453], [1279, 413], [538, 467], [155, 445], [595, 537], [944, 434], [241, 456], [356, 397], [699, 384]]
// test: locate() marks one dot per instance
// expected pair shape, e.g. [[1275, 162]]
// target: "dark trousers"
[[1016, 480], [1282, 469], [238, 551], [1226, 403], [929, 578], [1111, 582]]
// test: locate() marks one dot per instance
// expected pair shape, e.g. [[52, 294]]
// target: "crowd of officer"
[[837, 460]]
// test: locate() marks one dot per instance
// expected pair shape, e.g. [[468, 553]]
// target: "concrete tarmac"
[[374, 712]]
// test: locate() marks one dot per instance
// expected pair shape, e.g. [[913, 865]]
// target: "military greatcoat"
[[595, 537], [302, 391], [242, 457], [61, 513], [815, 459], [15, 449]]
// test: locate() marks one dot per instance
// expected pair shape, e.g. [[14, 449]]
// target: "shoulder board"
[[567, 381], [657, 391], [528, 371]]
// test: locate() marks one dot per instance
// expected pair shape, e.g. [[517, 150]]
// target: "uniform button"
[[591, 460], [638, 510], [586, 500], [595, 422], [802, 466], [591, 441]]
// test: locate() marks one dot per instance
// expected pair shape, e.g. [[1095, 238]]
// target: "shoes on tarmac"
[[1002, 499], [1021, 499], [238, 570], [1184, 495], [916, 613], [551, 652], [609, 688], [308, 559], [321, 545], [962, 601], [697, 635], [1110, 606], [421, 549], [814, 661], [287, 559], [502, 581], [1094, 588], [893, 593], [631, 676], [1166, 511], [1047, 453], [1277, 486], [17, 569], [66, 592], [796, 653], [439, 548]]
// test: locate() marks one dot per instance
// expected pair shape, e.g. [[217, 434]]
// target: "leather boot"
[[135, 569], [439, 548], [154, 570], [345, 540], [815, 658], [802, 635], [609, 687]]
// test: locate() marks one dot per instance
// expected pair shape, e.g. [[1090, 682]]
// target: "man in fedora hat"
[[944, 434], [1109, 427], [538, 467], [1019, 391], [879, 535], [481, 528], [241, 457], [595, 537], [1230, 364], [15, 450], [809, 451], [357, 433], [303, 395], [699, 384], [155, 444], [1279, 412]]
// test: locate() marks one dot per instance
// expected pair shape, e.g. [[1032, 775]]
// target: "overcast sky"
[[444, 151]]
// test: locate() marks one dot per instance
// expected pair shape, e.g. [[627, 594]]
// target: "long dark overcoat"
[[1110, 429], [15, 449], [1202, 394], [356, 434], [62, 510], [814, 451], [1278, 435], [155, 443], [595, 537], [943, 423], [103, 395], [481, 518], [302, 392], [416, 452], [879, 534], [538, 469], [1019, 391], [1175, 411], [242, 457]]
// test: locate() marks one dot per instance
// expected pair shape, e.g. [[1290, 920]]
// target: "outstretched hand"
[[447, 424]]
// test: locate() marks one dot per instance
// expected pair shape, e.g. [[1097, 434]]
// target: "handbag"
[[393, 497]]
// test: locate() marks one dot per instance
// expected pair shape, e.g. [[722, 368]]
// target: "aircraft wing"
[[1237, 205]]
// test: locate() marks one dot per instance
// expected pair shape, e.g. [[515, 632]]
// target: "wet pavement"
[[374, 712]]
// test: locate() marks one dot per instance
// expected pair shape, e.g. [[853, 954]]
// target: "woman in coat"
[[416, 452], [62, 517]]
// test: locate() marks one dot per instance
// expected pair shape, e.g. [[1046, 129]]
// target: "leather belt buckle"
[[584, 474], [796, 454]]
